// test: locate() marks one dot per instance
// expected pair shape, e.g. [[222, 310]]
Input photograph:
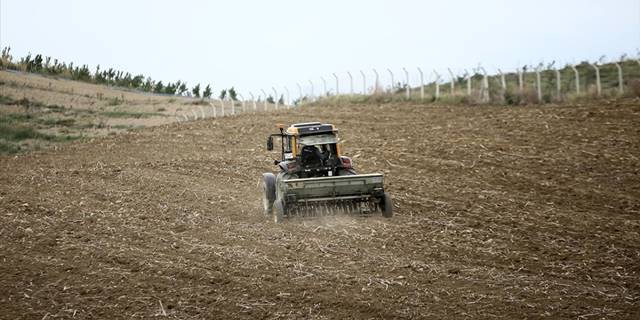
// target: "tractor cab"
[[311, 149]]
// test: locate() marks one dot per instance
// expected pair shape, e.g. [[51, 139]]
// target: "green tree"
[[170, 88], [233, 94], [111, 75], [6, 54], [148, 85], [223, 94], [97, 75], [136, 82], [183, 88], [159, 87], [196, 91], [207, 92]]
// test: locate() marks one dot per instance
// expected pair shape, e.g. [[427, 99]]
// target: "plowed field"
[[500, 212]]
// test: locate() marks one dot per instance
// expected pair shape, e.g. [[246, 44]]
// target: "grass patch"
[[17, 133], [67, 137], [26, 103], [6, 100], [9, 148], [15, 118], [55, 107], [58, 122]]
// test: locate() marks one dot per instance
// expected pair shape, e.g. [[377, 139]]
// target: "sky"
[[254, 45]]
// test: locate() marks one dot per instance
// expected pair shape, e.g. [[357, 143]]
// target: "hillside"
[[39, 111]]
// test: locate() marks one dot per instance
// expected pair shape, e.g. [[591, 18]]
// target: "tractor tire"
[[386, 206], [269, 192], [278, 211]]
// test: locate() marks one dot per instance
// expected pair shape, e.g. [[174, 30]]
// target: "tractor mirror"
[[270, 143]]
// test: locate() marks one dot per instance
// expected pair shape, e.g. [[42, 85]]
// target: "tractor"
[[314, 178]]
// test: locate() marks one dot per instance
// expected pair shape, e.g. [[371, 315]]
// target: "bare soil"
[[500, 212]]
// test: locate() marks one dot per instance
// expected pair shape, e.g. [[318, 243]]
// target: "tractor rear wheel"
[[269, 192], [387, 206], [278, 211]]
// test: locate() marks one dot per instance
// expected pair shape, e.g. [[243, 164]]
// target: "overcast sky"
[[260, 44]]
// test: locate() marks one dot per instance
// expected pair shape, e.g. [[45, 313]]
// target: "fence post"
[[222, 105], [287, 103], [468, 82], [453, 81], [422, 84], [350, 82], [253, 99], [377, 83], [437, 84], [577, 74], [337, 84], [503, 82], [620, 79], [276, 97], [299, 92], [485, 85], [312, 94], [520, 80], [233, 106], [324, 86], [364, 83], [408, 87], [538, 86], [242, 101], [598, 88], [264, 103], [558, 82], [393, 83]]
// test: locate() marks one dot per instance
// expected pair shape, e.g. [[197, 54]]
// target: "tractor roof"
[[305, 124], [310, 128]]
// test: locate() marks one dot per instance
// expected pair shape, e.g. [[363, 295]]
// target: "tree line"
[[48, 66]]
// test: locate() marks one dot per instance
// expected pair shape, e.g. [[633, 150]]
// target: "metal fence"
[[531, 84]]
